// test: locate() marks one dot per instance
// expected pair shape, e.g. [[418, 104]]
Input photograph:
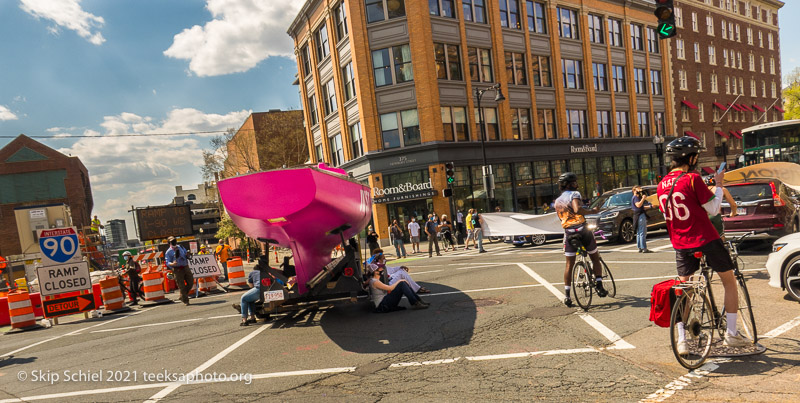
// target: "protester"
[[639, 204], [446, 228], [176, 259], [132, 269], [372, 240], [396, 235], [249, 298], [476, 223], [395, 273], [413, 230], [387, 297], [430, 230], [470, 230], [223, 253]]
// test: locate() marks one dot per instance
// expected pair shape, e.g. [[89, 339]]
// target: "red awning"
[[736, 134], [720, 106], [745, 107], [688, 133], [721, 134], [760, 109], [735, 107], [778, 108], [689, 104], [708, 170]]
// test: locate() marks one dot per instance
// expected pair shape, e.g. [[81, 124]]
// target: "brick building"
[[266, 140], [33, 174], [388, 92], [726, 72]]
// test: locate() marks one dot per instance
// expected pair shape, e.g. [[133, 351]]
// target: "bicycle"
[[697, 309], [583, 279]]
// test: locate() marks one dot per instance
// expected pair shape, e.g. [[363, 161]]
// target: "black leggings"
[[390, 301]]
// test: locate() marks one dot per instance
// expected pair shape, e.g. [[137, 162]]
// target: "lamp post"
[[488, 177], [724, 150], [658, 141]]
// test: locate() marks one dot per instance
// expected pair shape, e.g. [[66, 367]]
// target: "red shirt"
[[687, 220]]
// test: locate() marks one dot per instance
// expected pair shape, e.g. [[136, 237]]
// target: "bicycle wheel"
[[695, 312], [746, 319], [582, 285], [608, 280]]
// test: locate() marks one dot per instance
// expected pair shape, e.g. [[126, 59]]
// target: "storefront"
[[403, 196]]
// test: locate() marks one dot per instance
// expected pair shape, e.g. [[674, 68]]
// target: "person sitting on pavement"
[[249, 298], [387, 297], [394, 273]]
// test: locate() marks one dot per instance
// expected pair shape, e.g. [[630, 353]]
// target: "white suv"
[[783, 265]]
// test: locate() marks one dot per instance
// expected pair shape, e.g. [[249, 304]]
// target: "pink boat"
[[299, 208]]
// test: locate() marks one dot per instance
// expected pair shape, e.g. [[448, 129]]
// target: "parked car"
[[783, 265], [615, 218], [765, 206], [535, 240]]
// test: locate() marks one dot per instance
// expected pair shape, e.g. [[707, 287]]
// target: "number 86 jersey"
[[687, 220]]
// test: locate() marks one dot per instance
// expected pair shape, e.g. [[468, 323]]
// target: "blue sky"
[[100, 67]]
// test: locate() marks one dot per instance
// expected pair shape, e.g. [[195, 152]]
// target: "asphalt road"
[[496, 330]]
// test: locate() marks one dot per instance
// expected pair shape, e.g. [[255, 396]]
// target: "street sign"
[[651, 175], [204, 266], [68, 305], [58, 245], [59, 279]]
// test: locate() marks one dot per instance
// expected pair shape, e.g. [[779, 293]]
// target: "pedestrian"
[[459, 226], [223, 253], [430, 230], [413, 231], [639, 204], [470, 230], [132, 269], [476, 223], [249, 298], [446, 229], [396, 234], [177, 261], [372, 240]]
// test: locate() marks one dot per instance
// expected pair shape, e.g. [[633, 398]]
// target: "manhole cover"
[[550, 312], [478, 302]]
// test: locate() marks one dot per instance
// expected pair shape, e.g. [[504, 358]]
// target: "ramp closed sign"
[[64, 278], [204, 266]]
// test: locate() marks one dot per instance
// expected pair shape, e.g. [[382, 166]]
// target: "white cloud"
[[6, 114], [241, 34], [67, 14]]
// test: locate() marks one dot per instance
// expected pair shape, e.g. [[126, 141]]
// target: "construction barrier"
[[113, 299], [236, 275], [20, 309], [153, 288], [208, 284]]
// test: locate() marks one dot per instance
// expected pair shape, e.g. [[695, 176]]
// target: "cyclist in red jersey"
[[686, 202]]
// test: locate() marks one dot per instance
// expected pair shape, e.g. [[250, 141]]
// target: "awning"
[[720, 106], [736, 134], [778, 108], [722, 134], [760, 109], [688, 133], [743, 106], [708, 170], [735, 107], [689, 104]]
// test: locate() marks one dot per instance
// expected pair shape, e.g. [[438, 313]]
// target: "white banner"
[[513, 224], [204, 266], [63, 278]]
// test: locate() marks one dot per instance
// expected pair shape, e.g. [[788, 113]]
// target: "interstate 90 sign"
[[58, 245], [164, 221]]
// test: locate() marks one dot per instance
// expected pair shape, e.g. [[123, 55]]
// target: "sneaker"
[[419, 305], [640, 251], [482, 251], [647, 251], [568, 302], [683, 347], [601, 292], [737, 340]]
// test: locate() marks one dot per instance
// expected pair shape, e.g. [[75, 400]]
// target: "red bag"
[[661, 300]]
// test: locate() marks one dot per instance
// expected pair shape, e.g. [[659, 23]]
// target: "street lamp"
[[658, 141], [488, 177]]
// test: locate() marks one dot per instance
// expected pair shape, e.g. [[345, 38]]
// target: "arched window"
[[191, 196]]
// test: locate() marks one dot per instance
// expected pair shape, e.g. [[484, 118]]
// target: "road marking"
[[782, 328], [85, 392], [660, 248], [621, 248], [304, 372], [146, 325], [204, 366]]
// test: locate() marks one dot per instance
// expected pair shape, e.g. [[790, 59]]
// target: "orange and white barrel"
[[20, 310], [153, 288], [112, 295], [236, 272]]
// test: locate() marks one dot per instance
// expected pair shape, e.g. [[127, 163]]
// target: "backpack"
[[661, 301]]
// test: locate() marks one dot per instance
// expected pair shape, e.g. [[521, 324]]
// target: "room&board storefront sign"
[[404, 191]]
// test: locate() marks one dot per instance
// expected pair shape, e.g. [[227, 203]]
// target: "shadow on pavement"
[[11, 360], [620, 301]]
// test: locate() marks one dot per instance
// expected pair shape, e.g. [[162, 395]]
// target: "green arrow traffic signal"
[[666, 30]]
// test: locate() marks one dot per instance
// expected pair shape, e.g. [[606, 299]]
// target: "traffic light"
[[450, 172], [665, 12], [447, 192]]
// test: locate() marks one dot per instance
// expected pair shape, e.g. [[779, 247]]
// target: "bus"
[[771, 142]]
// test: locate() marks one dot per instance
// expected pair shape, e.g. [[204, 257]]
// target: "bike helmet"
[[567, 177], [683, 146]]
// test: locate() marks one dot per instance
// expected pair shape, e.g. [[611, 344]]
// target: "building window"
[[701, 114], [770, 42], [712, 55], [763, 89], [697, 52], [655, 82], [474, 10], [337, 152], [537, 20], [312, 110], [760, 39], [329, 98], [443, 8], [749, 36], [678, 17], [305, 60], [622, 124], [652, 40], [615, 32], [448, 61], [492, 129], [596, 32], [356, 140], [682, 82], [454, 123], [644, 124], [541, 71], [521, 124], [684, 113], [679, 49], [318, 152], [725, 56], [771, 65], [384, 59], [618, 78], [567, 23], [349, 82], [762, 64], [751, 62], [547, 124], [699, 82], [515, 68], [480, 65], [639, 81], [709, 25], [509, 14], [753, 90], [660, 123], [604, 124], [390, 132], [694, 22], [576, 122], [379, 10], [600, 77], [636, 37], [714, 83], [774, 93], [321, 38], [340, 17], [738, 33], [573, 74]]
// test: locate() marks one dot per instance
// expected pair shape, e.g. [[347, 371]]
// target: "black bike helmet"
[[683, 146], [567, 177]]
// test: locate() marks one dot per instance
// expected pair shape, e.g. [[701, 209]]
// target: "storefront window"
[[544, 187], [503, 194], [462, 191], [590, 173], [607, 174], [644, 169], [524, 188], [633, 172]]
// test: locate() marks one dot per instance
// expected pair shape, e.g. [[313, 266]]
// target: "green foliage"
[[791, 95], [228, 229]]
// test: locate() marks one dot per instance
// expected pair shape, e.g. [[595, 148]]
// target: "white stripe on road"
[[782, 328], [85, 392], [660, 248], [146, 325]]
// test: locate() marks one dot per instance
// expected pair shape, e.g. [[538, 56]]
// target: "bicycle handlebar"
[[739, 239]]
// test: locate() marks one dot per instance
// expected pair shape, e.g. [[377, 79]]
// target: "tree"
[[231, 154], [281, 139], [791, 95], [228, 229]]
